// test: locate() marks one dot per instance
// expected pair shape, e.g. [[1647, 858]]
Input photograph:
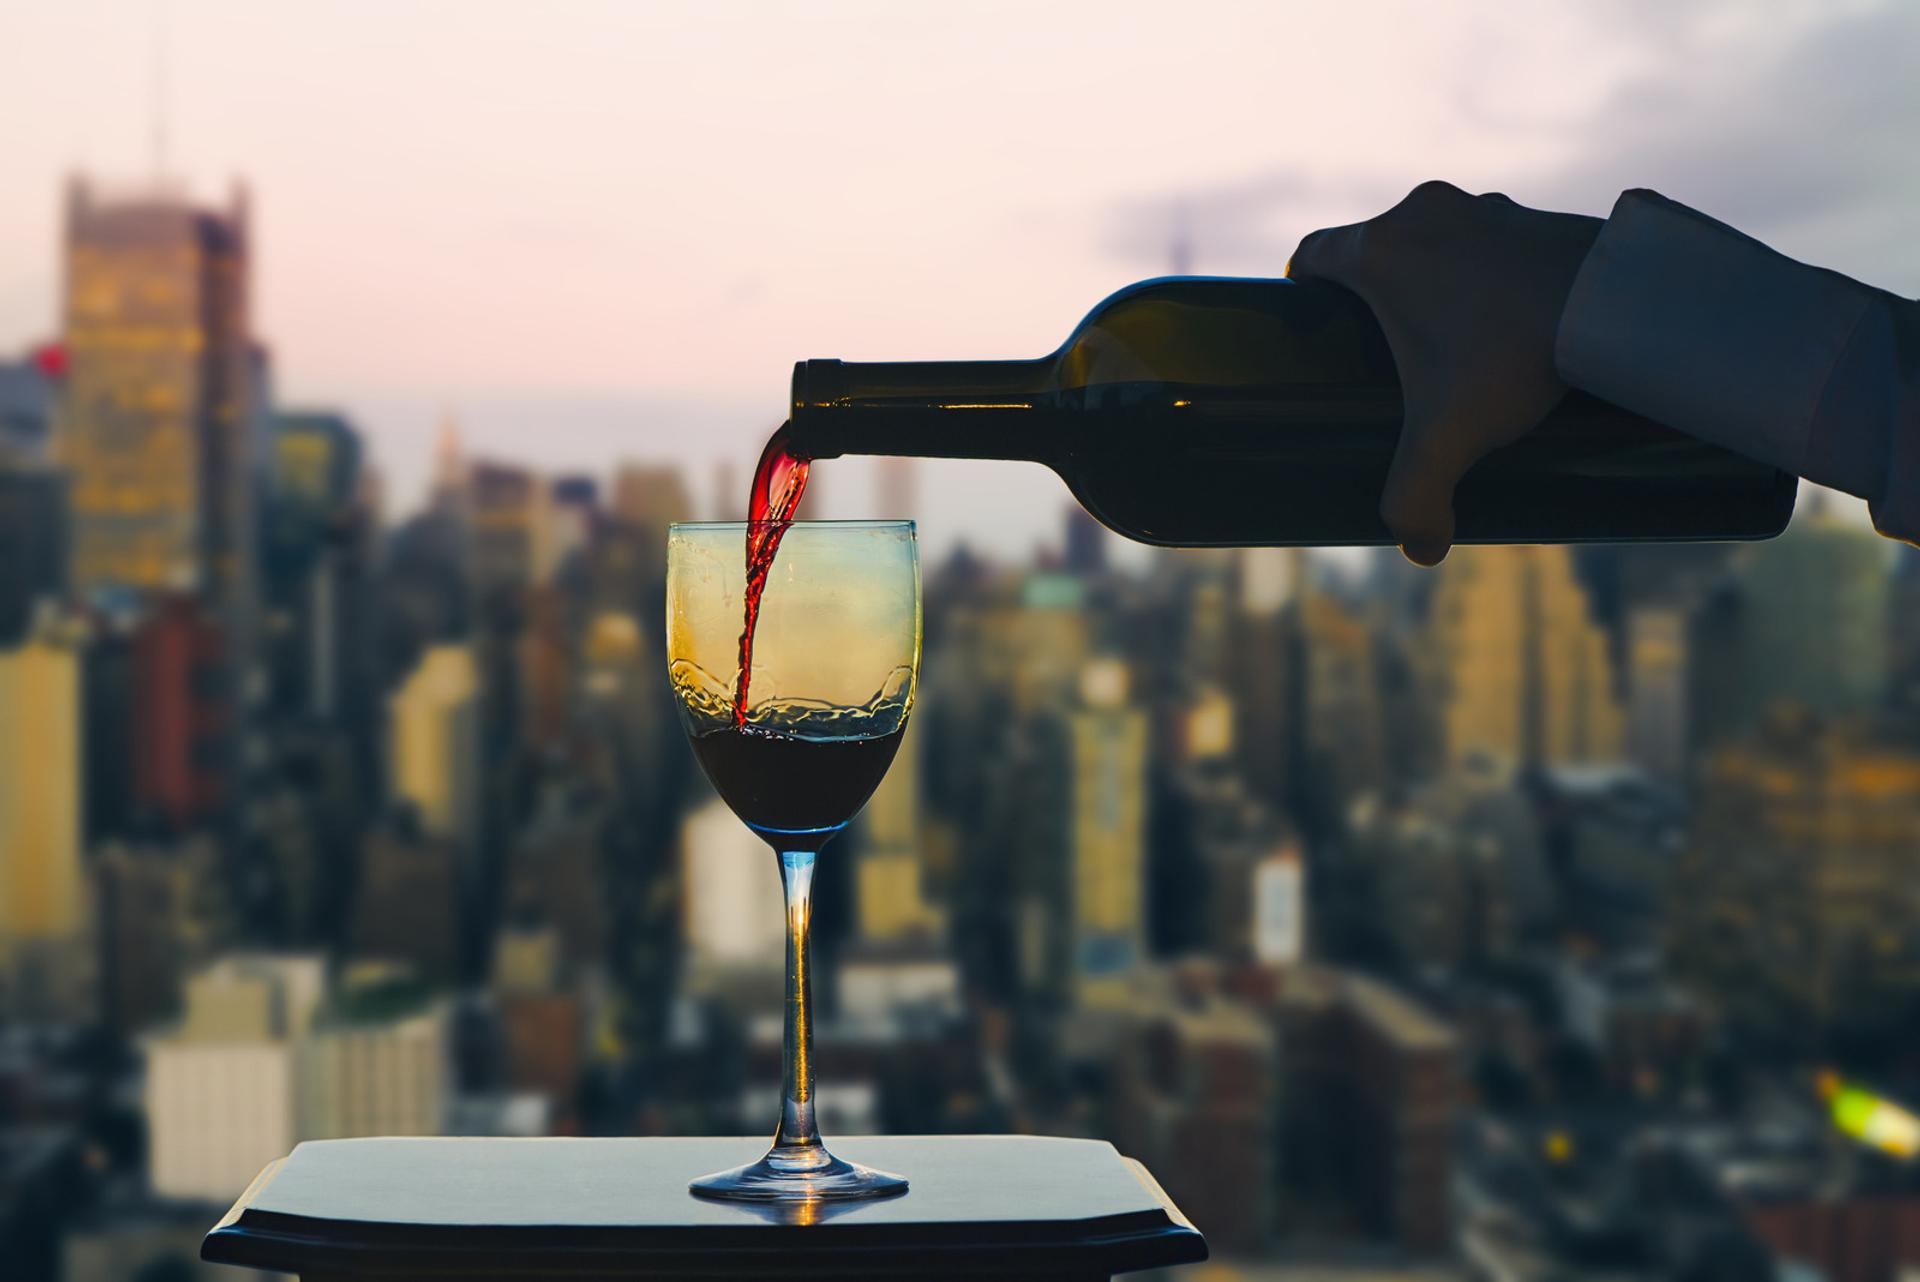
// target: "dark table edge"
[[1123, 1243]]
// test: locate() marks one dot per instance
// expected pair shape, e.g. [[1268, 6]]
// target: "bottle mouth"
[[816, 384]]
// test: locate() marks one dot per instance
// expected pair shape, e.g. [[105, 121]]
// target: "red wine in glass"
[[783, 785]]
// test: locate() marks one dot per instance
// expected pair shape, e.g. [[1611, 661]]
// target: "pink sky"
[[607, 229]]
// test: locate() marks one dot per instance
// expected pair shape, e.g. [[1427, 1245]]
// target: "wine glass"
[[835, 654]]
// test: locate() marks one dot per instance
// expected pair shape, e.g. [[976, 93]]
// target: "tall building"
[[374, 1062], [890, 877], [221, 1093], [1369, 1086], [407, 904], [1813, 626], [1657, 716], [1794, 903], [508, 535], [1106, 834], [1345, 736], [317, 551], [263, 1059], [1265, 669], [434, 745], [732, 922], [1195, 1099], [182, 724], [649, 498], [1903, 629], [161, 399], [1524, 672], [33, 499], [27, 391], [151, 926], [43, 896]]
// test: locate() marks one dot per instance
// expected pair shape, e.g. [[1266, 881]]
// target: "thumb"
[[1417, 500]]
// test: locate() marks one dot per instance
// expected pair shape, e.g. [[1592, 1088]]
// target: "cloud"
[[1812, 146], [1825, 130]]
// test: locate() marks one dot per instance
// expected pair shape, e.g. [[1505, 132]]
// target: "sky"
[[595, 231]]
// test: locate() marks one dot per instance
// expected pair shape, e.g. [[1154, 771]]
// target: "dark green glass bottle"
[[1214, 411]]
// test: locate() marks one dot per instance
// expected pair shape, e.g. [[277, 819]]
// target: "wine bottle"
[[1216, 411]]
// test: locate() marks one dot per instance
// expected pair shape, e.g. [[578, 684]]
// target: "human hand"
[[1468, 290]]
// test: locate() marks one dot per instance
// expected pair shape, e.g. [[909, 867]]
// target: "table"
[[594, 1210]]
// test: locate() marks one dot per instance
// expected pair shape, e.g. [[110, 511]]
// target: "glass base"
[[798, 1173]]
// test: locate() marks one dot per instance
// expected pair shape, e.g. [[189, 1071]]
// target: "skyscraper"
[[1657, 691], [43, 905], [889, 876], [161, 396], [315, 553], [1794, 902], [33, 497], [1107, 833], [435, 752], [1524, 672]]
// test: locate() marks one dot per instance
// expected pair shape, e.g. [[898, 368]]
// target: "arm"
[[1685, 320], [1493, 310]]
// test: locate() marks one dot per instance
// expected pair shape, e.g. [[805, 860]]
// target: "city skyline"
[[1548, 915]]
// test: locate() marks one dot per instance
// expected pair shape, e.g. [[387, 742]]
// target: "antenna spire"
[[160, 92]]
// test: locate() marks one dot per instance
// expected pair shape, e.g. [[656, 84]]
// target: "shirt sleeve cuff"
[[1687, 321]]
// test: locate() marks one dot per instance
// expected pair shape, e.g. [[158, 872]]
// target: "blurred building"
[[1346, 731], [889, 878], [183, 729], [1371, 1090], [508, 538], [221, 1094], [1656, 681], [265, 1058], [554, 873], [33, 498], [434, 742], [407, 906], [375, 1060], [1264, 682], [1195, 1099], [1455, 870], [1523, 672], [27, 391], [1813, 620], [648, 498], [1794, 904], [316, 570], [45, 962], [161, 397], [733, 918], [1106, 834], [545, 1007], [152, 925], [1903, 629]]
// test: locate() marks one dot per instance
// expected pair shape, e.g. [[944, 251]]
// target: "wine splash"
[[778, 483]]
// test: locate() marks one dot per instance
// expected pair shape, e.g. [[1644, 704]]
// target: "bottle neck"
[[927, 409]]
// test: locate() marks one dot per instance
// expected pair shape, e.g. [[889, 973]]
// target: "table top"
[[1011, 1204]]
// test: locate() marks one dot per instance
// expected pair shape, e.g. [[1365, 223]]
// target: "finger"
[[1332, 253], [1417, 501]]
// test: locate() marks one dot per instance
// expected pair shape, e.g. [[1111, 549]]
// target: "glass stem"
[[797, 1143]]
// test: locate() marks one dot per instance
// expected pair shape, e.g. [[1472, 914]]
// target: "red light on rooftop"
[[51, 360]]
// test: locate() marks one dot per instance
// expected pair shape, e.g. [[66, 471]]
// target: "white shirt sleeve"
[[1687, 321]]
